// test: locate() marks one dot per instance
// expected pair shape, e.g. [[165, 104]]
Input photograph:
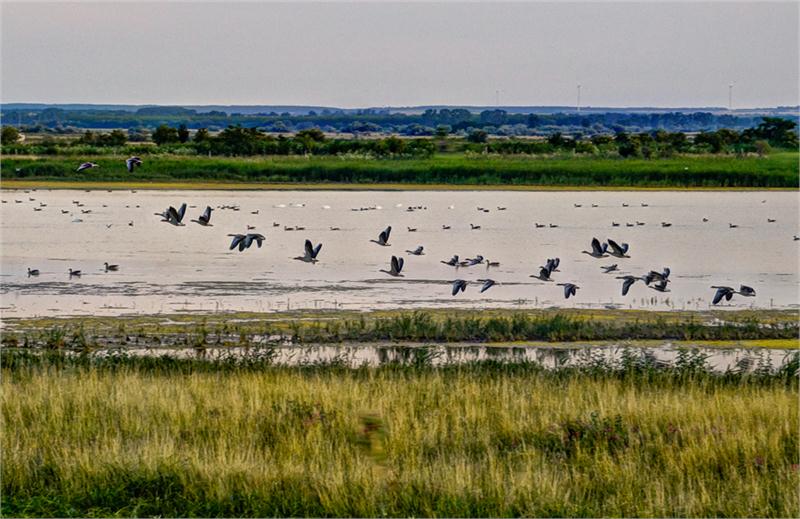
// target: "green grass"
[[417, 326], [146, 437], [780, 170]]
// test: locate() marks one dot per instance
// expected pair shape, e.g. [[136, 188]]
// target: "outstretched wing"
[[207, 214], [309, 247], [596, 247], [666, 272], [395, 264], [384, 236], [721, 292], [626, 285], [181, 212], [237, 240], [614, 245], [316, 250]]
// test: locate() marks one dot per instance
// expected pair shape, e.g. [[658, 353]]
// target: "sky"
[[401, 54]]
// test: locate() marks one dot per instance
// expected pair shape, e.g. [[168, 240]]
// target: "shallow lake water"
[[667, 355], [167, 269]]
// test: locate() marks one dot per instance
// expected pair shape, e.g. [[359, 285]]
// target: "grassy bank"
[[779, 170], [562, 325], [152, 437]]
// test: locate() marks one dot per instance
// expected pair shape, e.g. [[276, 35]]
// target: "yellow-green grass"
[[455, 442], [202, 185]]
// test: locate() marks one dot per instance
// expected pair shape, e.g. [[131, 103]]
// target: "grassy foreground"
[[181, 438], [779, 170]]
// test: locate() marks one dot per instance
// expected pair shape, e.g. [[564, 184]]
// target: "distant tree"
[[395, 145], [775, 130], [183, 133], [556, 140], [478, 136], [442, 131], [10, 135], [314, 134], [165, 134], [201, 135], [115, 138]]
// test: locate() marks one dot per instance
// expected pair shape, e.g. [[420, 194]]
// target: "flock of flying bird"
[[653, 279]]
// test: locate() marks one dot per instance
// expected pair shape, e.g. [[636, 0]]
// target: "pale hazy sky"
[[378, 54]]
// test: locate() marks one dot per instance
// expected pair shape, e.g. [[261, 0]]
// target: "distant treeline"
[[242, 141], [456, 120]]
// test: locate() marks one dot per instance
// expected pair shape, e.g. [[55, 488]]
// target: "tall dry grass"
[[480, 440]]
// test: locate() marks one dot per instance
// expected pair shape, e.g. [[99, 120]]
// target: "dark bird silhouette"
[[459, 284], [244, 241], [132, 162], [205, 218], [598, 250], [569, 289], [87, 165], [383, 237], [417, 251], [396, 266], [311, 252]]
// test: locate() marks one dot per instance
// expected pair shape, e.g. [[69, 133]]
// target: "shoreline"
[[15, 185]]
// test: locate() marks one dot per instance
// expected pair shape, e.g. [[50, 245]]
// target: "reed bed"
[[719, 171], [416, 326], [136, 437]]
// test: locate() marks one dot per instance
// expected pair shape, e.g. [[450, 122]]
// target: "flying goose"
[[132, 162], [417, 251], [459, 284], [453, 262], [487, 284], [469, 262], [310, 252], [607, 269], [244, 241], [544, 274], [552, 264], [569, 289], [618, 251], [746, 291], [656, 276], [383, 237], [661, 286], [627, 283], [598, 250], [33, 272], [396, 266], [111, 267], [205, 218], [87, 165]]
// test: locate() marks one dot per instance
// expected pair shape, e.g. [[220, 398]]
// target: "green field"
[[779, 170], [143, 437]]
